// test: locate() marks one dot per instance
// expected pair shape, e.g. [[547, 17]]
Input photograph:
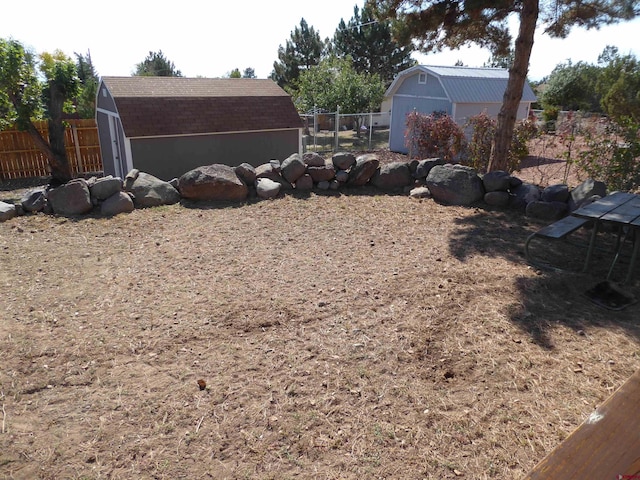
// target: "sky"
[[211, 38]]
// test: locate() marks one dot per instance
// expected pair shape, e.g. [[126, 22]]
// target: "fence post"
[[76, 144], [370, 128], [336, 145]]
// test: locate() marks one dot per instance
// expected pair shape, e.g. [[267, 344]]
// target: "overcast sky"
[[211, 38]]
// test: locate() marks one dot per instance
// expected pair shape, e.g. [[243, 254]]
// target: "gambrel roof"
[[466, 84], [169, 106]]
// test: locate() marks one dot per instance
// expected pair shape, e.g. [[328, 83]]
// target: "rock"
[[103, 188], [420, 192], [324, 185], [342, 176], [72, 198], [246, 172], [150, 191], [34, 200], [424, 167], [272, 172], [585, 190], [213, 182], [267, 188], [305, 182], [293, 167], [455, 184], [497, 198], [496, 181], [343, 160], [546, 210], [119, 202], [392, 176], [322, 173], [514, 182], [555, 193], [524, 194], [174, 183], [7, 211], [364, 168], [313, 159], [334, 185]]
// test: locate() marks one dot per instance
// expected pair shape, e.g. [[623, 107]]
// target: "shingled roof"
[[167, 106]]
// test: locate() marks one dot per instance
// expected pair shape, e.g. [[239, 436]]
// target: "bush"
[[480, 145], [612, 155], [434, 135]]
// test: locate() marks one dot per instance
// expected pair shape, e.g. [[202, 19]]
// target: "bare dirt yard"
[[357, 335]]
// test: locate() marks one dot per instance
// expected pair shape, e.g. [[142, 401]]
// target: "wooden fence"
[[20, 158]]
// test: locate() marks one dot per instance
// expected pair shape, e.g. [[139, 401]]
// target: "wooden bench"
[[606, 446], [558, 230]]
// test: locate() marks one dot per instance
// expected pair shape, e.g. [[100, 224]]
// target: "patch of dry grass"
[[340, 336]]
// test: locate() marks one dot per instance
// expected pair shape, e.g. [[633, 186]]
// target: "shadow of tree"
[[548, 297]]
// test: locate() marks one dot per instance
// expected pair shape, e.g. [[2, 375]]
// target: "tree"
[[335, 82], [371, 45], [572, 87], [86, 101], [156, 65], [24, 97], [436, 24], [619, 84], [235, 73], [249, 73], [303, 51]]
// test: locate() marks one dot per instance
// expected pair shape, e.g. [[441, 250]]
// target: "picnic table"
[[621, 209]]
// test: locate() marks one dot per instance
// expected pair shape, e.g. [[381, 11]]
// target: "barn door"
[[119, 160]]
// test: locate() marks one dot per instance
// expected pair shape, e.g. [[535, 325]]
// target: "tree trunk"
[[60, 168], [515, 85]]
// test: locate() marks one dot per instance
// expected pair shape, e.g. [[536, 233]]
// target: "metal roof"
[[466, 84]]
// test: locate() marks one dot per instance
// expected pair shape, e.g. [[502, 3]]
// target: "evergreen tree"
[[86, 100], [156, 65], [302, 51], [249, 73], [371, 45]]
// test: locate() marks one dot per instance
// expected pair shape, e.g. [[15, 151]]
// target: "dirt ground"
[[337, 336]]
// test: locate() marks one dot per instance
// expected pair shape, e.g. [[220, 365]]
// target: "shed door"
[[401, 107], [119, 160]]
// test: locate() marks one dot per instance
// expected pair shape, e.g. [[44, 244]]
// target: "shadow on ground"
[[549, 297]]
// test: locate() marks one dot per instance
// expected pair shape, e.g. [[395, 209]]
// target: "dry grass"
[[343, 336]]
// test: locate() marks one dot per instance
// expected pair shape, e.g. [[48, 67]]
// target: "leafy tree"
[[249, 73], [619, 84], [24, 98], [371, 45], [335, 82], [86, 101], [301, 52], [156, 65], [436, 24], [572, 87], [235, 73]]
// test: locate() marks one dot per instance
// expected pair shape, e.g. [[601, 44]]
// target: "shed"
[[461, 92], [167, 126]]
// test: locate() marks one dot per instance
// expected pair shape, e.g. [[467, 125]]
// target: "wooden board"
[[606, 446]]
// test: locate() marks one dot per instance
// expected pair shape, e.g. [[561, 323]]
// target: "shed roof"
[[466, 84], [166, 106]]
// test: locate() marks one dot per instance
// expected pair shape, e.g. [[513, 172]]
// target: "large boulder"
[[455, 184], [7, 211], [34, 200], [72, 198], [524, 194], [267, 188], [546, 210], [555, 193], [305, 182], [364, 168], [103, 188], [149, 191], [423, 167], [119, 202], [293, 167], [313, 159], [322, 173], [343, 160], [496, 181], [585, 191], [392, 176], [497, 198], [246, 172], [212, 182]]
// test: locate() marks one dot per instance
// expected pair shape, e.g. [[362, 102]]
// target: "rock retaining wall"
[[445, 183]]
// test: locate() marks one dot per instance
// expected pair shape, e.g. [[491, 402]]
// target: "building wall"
[[403, 105], [171, 157], [432, 87]]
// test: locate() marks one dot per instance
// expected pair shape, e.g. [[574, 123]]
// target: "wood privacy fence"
[[21, 158]]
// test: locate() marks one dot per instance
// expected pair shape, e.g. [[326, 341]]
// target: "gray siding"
[[171, 157], [405, 105], [410, 86]]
